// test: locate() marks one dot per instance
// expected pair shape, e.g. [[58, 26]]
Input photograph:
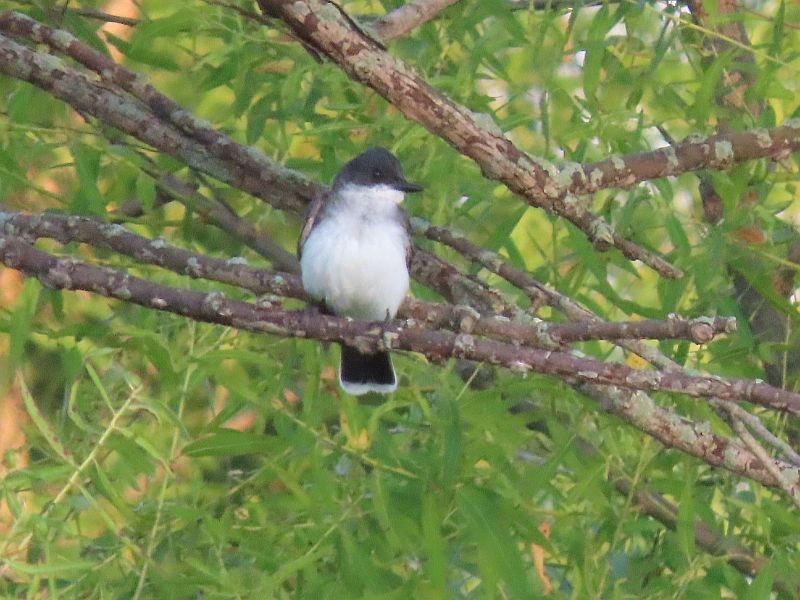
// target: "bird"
[[354, 251]]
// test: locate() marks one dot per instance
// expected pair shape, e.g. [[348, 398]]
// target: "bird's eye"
[[376, 174]]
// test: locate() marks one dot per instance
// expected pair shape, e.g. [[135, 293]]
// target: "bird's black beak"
[[408, 187]]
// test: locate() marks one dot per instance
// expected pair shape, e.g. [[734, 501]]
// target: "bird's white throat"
[[375, 197]]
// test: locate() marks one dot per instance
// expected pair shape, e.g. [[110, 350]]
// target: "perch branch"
[[634, 407], [235, 272], [71, 274]]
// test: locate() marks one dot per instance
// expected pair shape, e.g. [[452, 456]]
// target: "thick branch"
[[68, 273], [542, 184], [280, 185], [720, 151], [116, 109]]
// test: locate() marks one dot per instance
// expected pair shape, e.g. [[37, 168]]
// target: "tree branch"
[[733, 411], [657, 506], [68, 273], [720, 151], [278, 179], [111, 236], [675, 431], [401, 21], [227, 221], [790, 487], [99, 15], [235, 272], [637, 409], [214, 154], [634, 407]]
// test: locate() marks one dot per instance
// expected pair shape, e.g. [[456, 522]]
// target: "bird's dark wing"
[[312, 213]]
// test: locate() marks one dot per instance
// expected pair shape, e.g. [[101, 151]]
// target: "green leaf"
[[686, 516], [146, 45], [500, 559], [106, 487], [257, 116], [595, 47], [228, 442], [22, 320], [435, 546], [87, 198], [51, 569], [41, 423], [761, 587], [146, 192], [709, 86]]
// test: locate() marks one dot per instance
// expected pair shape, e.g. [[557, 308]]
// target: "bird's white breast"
[[355, 258]]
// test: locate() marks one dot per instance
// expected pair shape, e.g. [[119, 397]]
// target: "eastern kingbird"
[[354, 251]]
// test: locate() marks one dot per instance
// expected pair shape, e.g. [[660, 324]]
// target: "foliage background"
[[168, 459]]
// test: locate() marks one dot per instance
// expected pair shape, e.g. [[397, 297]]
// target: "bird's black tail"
[[360, 373]]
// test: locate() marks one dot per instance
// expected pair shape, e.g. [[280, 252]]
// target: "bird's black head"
[[376, 166]]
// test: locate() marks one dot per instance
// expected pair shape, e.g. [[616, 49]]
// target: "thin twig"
[[99, 15], [791, 489], [734, 411], [227, 221], [173, 454]]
